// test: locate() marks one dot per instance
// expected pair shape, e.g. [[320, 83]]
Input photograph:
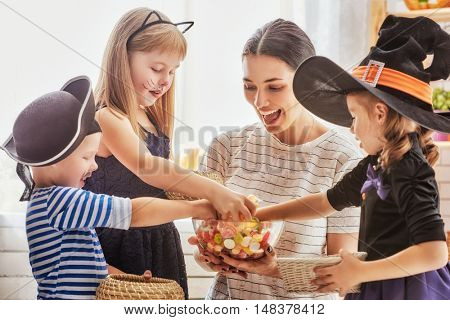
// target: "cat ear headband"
[[186, 25]]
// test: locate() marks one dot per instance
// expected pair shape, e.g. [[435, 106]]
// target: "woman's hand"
[[266, 266], [204, 210], [232, 206], [341, 277], [210, 262]]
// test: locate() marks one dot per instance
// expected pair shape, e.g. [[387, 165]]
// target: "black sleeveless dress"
[[156, 248]]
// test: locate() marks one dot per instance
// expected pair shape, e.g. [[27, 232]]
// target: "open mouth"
[[86, 176], [156, 93], [83, 179], [271, 117], [153, 90]]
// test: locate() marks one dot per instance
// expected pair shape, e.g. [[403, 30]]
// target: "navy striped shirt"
[[65, 254]]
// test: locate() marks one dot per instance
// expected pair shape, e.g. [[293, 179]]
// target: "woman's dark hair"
[[281, 39]]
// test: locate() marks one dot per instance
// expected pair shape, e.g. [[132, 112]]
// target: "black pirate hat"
[[393, 71], [51, 127]]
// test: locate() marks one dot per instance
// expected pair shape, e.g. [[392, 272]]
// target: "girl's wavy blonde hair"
[[115, 88], [395, 133]]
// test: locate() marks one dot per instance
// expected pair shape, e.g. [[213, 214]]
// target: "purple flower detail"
[[374, 181]]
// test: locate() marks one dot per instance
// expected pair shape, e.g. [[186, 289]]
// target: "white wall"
[[211, 97]]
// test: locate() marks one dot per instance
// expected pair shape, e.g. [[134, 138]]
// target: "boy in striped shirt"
[[58, 137]]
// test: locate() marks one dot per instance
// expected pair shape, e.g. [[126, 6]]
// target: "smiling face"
[[152, 74], [268, 87], [369, 116], [73, 170]]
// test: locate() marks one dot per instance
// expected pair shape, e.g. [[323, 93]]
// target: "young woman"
[[289, 154]]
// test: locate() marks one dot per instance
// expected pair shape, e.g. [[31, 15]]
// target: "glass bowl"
[[240, 240]]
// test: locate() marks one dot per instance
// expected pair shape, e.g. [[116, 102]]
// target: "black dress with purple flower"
[[399, 208], [156, 248]]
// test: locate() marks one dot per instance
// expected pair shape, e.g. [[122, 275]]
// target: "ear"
[[381, 112]]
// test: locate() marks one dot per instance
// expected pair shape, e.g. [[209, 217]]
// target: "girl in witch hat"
[[386, 102], [57, 136], [135, 101]]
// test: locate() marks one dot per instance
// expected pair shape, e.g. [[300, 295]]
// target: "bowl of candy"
[[238, 239]]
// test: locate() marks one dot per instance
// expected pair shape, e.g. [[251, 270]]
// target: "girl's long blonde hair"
[[397, 142], [115, 88]]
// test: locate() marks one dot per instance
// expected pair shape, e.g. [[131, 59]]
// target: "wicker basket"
[[179, 196], [133, 287], [297, 273]]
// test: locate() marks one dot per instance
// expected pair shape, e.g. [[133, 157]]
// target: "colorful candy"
[[240, 240], [254, 246], [236, 251], [218, 238], [246, 241], [227, 230], [229, 244], [257, 237]]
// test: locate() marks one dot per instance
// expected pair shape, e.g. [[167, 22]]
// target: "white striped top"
[[253, 161], [65, 254]]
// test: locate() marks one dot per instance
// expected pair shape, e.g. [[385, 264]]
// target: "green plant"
[[441, 99]]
